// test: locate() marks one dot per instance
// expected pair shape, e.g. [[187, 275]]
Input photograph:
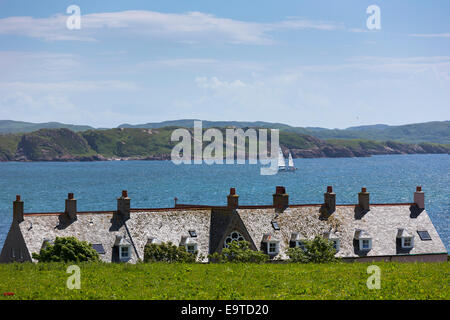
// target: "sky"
[[303, 63]]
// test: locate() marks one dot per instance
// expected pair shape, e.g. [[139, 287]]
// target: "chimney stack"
[[18, 210], [280, 198], [71, 207], [363, 199], [419, 198], [330, 199], [233, 199], [123, 205]]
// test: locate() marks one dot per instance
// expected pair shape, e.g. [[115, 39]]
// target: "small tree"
[[167, 252], [319, 250], [67, 249], [239, 251]]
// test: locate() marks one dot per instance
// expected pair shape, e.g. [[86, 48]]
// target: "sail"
[[281, 161], [291, 162]]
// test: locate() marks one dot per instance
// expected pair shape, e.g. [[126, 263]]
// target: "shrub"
[[319, 250], [167, 252], [239, 251], [66, 249]]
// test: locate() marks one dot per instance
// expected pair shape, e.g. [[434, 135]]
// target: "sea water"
[[43, 186]]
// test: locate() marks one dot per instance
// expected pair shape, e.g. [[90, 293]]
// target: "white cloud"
[[190, 27]]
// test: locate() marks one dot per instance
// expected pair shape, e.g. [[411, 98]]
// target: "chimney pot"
[[363, 199], [330, 199], [280, 198], [123, 205], [233, 199], [18, 210], [419, 198], [71, 207]]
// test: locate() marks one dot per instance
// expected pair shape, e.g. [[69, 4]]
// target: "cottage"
[[361, 232]]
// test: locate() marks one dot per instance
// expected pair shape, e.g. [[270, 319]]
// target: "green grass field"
[[225, 281]]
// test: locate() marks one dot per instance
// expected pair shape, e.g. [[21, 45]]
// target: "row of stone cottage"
[[362, 231]]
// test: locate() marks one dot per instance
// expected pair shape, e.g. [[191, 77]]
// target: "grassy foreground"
[[225, 281]]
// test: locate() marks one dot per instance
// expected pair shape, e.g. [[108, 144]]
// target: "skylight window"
[[424, 235], [193, 233], [99, 248], [275, 225]]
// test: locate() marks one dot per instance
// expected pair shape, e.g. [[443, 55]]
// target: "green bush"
[[239, 251], [67, 249], [167, 252], [319, 250]]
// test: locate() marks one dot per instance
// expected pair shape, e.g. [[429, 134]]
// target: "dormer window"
[[336, 244], [272, 248], [407, 242], [407, 239], [333, 237], [191, 248], [365, 241], [124, 246], [365, 244], [190, 244], [271, 245], [300, 244], [297, 241], [124, 252]]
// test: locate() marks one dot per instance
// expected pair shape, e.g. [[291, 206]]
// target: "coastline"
[[166, 157]]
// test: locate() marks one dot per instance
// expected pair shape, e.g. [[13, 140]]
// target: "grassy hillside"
[[226, 281], [48, 144], [66, 145], [124, 142]]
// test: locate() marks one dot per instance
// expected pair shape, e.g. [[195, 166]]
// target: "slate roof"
[[381, 223], [212, 225]]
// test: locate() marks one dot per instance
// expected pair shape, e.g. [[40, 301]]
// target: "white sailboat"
[[291, 166], [281, 161]]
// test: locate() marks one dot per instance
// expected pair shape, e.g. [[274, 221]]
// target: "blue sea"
[[392, 178]]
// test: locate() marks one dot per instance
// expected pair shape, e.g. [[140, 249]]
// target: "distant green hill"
[[11, 126], [429, 132], [434, 132]]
